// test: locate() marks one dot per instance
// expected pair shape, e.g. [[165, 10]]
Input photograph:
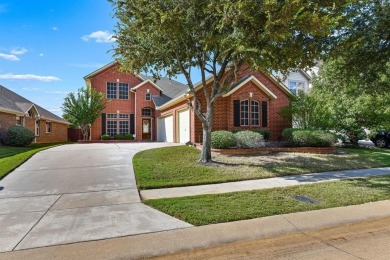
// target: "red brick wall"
[[99, 82], [224, 117], [6, 120], [59, 133], [143, 103]]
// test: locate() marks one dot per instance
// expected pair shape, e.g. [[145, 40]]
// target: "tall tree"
[[217, 37], [83, 108], [362, 48]]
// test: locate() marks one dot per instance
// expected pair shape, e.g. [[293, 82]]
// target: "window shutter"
[[264, 113], [236, 112], [132, 124], [103, 123]]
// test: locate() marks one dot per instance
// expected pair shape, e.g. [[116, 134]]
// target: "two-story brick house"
[[162, 110]]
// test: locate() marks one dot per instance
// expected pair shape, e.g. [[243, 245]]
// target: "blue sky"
[[48, 46]]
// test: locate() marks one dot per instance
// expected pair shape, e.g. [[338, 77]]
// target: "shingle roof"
[[9, 100]]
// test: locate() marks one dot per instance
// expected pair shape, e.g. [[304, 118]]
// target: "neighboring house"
[[163, 110], [17, 110], [299, 80]]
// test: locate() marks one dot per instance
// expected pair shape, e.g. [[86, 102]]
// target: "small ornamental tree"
[[83, 108], [212, 37]]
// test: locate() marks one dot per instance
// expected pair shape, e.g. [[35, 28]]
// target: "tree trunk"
[[205, 156]]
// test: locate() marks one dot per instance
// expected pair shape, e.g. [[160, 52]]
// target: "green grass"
[[178, 166], [209, 209], [12, 157]]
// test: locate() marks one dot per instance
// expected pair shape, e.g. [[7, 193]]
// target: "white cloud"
[[99, 36], [55, 28], [28, 77], [41, 54], [18, 51], [9, 57], [31, 89], [57, 92]]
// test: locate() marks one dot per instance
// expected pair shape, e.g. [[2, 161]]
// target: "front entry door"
[[146, 133]]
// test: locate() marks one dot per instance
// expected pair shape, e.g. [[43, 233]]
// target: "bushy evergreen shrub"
[[249, 139], [128, 136], [19, 136], [222, 139], [118, 136], [106, 137], [309, 138], [265, 133]]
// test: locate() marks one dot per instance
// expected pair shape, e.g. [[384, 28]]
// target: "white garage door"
[[184, 126], [165, 129]]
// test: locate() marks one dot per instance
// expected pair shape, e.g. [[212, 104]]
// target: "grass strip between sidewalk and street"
[[178, 166], [219, 208], [11, 157]]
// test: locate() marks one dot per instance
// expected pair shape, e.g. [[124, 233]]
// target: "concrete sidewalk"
[[173, 241], [261, 184]]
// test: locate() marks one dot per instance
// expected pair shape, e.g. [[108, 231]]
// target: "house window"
[[244, 108], [255, 121], [48, 127], [123, 91], [19, 120], [30, 113], [117, 124], [111, 90], [37, 128], [148, 96], [146, 112], [296, 86]]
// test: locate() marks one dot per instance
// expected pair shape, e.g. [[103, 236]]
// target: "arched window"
[[146, 112]]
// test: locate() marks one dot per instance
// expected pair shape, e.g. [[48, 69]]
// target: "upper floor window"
[[117, 90], [147, 112], [148, 96], [296, 86], [111, 90], [123, 91]]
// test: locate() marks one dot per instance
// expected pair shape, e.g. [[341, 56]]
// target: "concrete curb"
[[174, 241]]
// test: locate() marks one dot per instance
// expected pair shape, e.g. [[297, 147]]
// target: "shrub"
[[249, 139], [19, 136], [222, 139], [265, 133], [118, 136], [310, 138], [106, 137], [128, 137]]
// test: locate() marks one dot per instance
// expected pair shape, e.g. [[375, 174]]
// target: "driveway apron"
[[74, 193]]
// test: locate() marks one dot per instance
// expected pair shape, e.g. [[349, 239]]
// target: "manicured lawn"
[[12, 157], [178, 166], [209, 209]]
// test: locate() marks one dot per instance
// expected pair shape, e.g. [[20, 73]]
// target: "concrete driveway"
[[75, 193]]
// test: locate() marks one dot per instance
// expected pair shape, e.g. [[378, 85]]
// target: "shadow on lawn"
[[381, 183]]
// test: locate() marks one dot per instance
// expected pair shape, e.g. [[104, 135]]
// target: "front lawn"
[[12, 157], [209, 209], [178, 166]]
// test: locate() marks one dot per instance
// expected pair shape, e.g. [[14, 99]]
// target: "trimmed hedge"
[[128, 137], [106, 137], [19, 136], [308, 138], [265, 133], [222, 139], [249, 139]]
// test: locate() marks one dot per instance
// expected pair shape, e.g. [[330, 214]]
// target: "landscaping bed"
[[178, 166]]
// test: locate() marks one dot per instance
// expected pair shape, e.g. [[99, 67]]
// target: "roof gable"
[[242, 82], [144, 83]]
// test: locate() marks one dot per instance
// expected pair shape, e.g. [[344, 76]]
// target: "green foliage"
[[118, 137], [249, 139], [222, 139], [345, 105], [363, 47], [128, 137], [106, 137], [308, 138], [19, 136], [83, 108], [218, 38], [265, 133]]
